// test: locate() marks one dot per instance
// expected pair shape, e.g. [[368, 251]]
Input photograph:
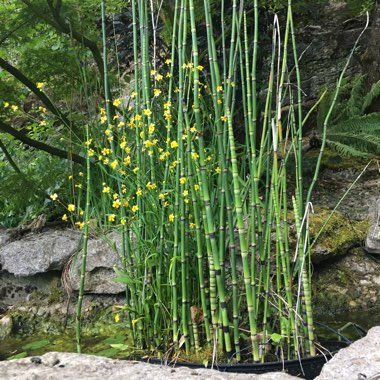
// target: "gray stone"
[[361, 357], [6, 325], [102, 256], [372, 241], [59, 366], [38, 253], [5, 237]]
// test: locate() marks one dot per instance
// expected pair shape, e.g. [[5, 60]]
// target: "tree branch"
[[40, 145]]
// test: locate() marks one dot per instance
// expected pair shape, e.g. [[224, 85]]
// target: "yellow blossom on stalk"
[[107, 132], [88, 142], [148, 144], [42, 109], [6, 104], [168, 75], [220, 101], [168, 61], [116, 117], [171, 217], [182, 180], [123, 144], [106, 189], [196, 187], [167, 115], [125, 203], [40, 85], [219, 89], [117, 318], [218, 170], [81, 212], [167, 105], [114, 164], [161, 196], [232, 84], [116, 102], [123, 222], [157, 92], [54, 196], [151, 186], [185, 193], [151, 128], [70, 177], [121, 124], [138, 117], [115, 195], [102, 111], [135, 170], [135, 208], [103, 119], [64, 217], [200, 67], [166, 204], [153, 72], [192, 225], [193, 129], [209, 158], [147, 112], [174, 144], [71, 207], [79, 224], [127, 160], [106, 151], [159, 77], [133, 94], [223, 118], [186, 200], [14, 107], [139, 192], [116, 203], [111, 218]]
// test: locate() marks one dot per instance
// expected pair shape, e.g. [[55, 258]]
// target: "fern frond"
[[345, 150], [366, 143], [369, 124], [373, 94], [354, 104]]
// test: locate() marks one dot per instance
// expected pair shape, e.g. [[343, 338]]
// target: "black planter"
[[306, 368]]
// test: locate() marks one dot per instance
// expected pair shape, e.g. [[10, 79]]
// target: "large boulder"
[[39, 253], [60, 365], [361, 360], [103, 255]]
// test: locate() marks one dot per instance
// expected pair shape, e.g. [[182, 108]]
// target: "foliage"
[[354, 128]]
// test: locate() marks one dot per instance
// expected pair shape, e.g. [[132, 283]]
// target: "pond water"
[[118, 347]]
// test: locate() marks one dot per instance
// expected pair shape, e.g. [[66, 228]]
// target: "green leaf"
[[276, 338], [36, 345], [21, 355], [114, 339], [121, 347], [108, 353]]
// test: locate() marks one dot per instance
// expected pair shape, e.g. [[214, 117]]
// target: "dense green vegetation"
[[167, 141]]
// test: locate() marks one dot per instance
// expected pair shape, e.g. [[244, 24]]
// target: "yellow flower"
[[40, 85], [151, 186], [161, 196], [80, 224], [106, 189], [134, 321], [64, 217], [185, 193], [174, 144], [106, 151], [114, 164], [168, 61], [182, 180], [127, 160], [123, 222], [159, 77], [219, 89], [192, 225], [232, 84], [71, 207], [14, 107], [121, 124], [54, 196], [116, 102], [171, 217], [196, 187], [223, 118], [148, 144], [6, 104], [139, 192], [195, 155], [218, 170], [117, 318], [42, 109], [153, 72], [111, 218], [151, 129], [123, 144], [157, 92], [135, 170], [147, 112], [167, 105], [220, 101], [135, 208], [133, 94], [116, 203], [200, 68]]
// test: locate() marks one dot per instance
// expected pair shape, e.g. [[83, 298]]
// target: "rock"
[[372, 241], [361, 357], [38, 253], [57, 366], [5, 237], [6, 325], [102, 257], [351, 282]]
